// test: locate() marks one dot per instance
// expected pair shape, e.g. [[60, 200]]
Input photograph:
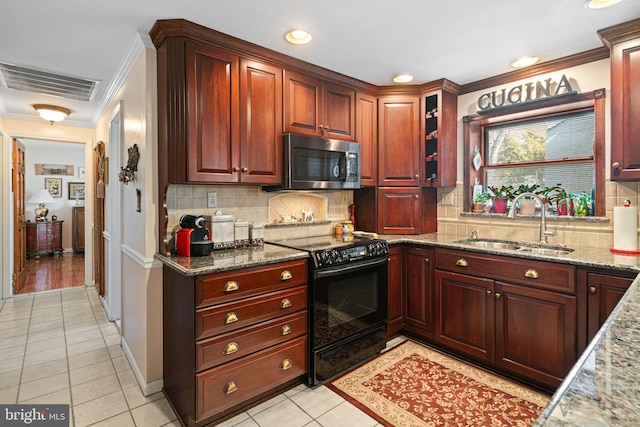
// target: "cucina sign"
[[527, 92]]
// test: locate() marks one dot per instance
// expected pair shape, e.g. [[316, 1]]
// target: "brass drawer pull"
[[285, 330], [230, 348], [230, 318], [531, 274], [230, 286], [285, 303], [462, 263], [286, 364], [286, 275], [230, 387]]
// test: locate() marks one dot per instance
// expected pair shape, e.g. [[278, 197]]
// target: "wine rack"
[[431, 139]]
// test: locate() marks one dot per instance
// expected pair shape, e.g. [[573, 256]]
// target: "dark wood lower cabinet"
[[599, 292], [395, 291], [233, 339], [419, 290]]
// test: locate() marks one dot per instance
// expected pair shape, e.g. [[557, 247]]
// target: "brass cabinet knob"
[[488, 292], [230, 387], [426, 260], [245, 169], [236, 169], [320, 127], [230, 286], [498, 295], [416, 196], [286, 364], [592, 289], [285, 330], [462, 263], [531, 274], [326, 127], [230, 318], [616, 165], [286, 275], [230, 348], [285, 303]]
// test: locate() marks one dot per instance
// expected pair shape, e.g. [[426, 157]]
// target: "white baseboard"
[[147, 388]]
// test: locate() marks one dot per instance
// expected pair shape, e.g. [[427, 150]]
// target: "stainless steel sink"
[[491, 244], [545, 251], [530, 248]]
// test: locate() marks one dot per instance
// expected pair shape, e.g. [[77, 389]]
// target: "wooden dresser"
[[233, 338], [44, 238], [77, 231]]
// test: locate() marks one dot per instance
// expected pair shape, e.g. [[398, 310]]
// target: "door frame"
[[6, 203]]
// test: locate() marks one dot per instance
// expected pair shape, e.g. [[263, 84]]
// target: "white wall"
[[57, 153]]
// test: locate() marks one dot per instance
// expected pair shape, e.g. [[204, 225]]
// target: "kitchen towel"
[[625, 228]]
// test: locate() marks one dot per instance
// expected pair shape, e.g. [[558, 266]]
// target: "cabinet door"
[[399, 210], [260, 123], [603, 294], [535, 332], [302, 104], [625, 103], [56, 236], [339, 112], [212, 100], [464, 311], [367, 136], [398, 141], [419, 289], [395, 290]]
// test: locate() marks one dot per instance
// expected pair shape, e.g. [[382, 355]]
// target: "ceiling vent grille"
[[46, 83]]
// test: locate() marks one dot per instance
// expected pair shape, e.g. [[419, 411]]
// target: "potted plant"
[[558, 196], [527, 203], [501, 195], [479, 201]]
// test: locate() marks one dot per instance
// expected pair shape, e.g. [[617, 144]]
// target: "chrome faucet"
[[543, 215]]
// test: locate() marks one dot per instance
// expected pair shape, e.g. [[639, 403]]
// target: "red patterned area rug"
[[413, 385]]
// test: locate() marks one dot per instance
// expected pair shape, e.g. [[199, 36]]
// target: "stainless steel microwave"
[[319, 163]]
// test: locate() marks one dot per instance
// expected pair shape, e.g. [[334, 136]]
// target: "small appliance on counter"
[[192, 239]]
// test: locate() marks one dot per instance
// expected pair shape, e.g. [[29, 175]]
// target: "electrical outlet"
[[447, 198], [212, 200]]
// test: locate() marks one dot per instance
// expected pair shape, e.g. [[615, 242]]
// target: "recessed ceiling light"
[[525, 61], [298, 37], [403, 78], [599, 4]]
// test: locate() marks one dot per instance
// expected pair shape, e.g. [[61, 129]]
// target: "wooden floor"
[[54, 272]]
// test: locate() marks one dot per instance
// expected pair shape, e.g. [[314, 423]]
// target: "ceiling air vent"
[[46, 83]]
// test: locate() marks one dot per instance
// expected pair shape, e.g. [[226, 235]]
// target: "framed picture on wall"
[[76, 191], [54, 186]]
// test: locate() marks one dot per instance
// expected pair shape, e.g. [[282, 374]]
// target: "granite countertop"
[[603, 387], [231, 259]]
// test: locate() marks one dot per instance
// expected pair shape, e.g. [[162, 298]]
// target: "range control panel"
[[345, 255]]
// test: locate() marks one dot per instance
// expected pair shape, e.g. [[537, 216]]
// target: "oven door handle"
[[341, 269]]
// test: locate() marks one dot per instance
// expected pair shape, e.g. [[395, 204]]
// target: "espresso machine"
[[193, 238]]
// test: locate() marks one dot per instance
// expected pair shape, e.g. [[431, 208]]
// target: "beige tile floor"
[[59, 347]]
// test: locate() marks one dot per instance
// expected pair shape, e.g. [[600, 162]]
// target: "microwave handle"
[[347, 166]]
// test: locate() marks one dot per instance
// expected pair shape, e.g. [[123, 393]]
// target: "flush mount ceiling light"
[[298, 37], [52, 113], [403, 78], [525, 61], [600, 4]]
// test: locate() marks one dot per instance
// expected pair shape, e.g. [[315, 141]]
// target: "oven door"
[[348, 300]]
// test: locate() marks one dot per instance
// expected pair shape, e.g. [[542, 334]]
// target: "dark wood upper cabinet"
[[399, 210], [316, 107], [260, 123], [367, 136], [624, 42], [399, 140]]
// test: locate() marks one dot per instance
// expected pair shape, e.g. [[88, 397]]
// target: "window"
[[560, 141]]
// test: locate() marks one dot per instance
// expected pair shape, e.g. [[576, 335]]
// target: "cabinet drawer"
[[217, 288], [545, 275], [232, 346], [233, 383], [238, 314]]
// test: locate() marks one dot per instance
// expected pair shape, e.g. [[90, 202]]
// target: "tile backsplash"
[[251, 204]]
